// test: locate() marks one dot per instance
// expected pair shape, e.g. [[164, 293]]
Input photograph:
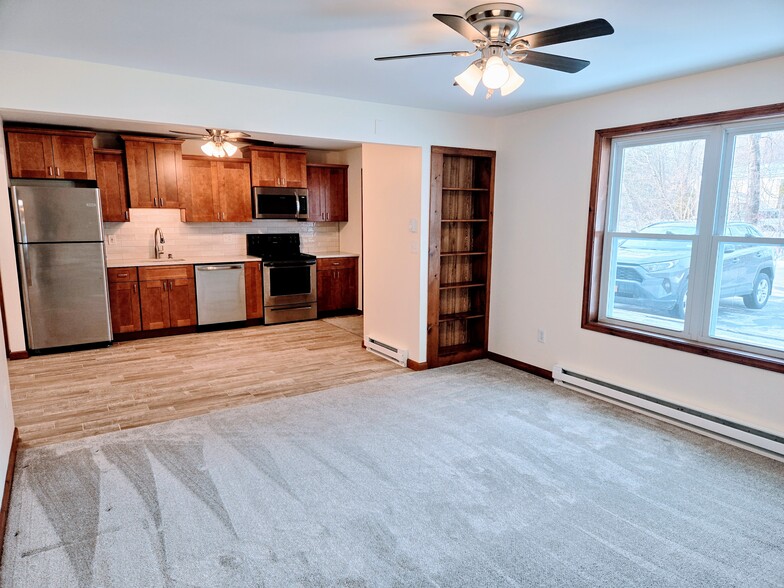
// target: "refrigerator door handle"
[[22, 224], [26, 262]]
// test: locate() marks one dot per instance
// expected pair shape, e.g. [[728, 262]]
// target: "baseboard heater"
[[390, 352], [701, 422]]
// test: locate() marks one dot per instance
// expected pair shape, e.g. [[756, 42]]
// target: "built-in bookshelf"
[[461, 226]]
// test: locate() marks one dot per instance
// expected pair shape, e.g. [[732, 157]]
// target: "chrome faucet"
[[159, 241]]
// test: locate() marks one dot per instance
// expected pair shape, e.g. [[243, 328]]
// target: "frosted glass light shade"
[[496, 73], [222, 150], [515, 81], [469, 79]]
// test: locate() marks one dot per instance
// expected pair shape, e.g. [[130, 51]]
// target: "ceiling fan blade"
[[236, 135], [452, 53], [573, 32], [550, 61], [189, 133], [462, 26]]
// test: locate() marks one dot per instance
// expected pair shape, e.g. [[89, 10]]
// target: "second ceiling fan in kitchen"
[[219, 141], [493, 29]]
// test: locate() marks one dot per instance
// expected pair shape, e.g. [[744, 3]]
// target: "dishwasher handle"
[[215, 268]]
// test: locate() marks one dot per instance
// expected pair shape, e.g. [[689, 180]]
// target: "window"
[[686, 235]]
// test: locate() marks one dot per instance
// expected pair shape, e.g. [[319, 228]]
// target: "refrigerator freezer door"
[[65, 294], [45, 214]]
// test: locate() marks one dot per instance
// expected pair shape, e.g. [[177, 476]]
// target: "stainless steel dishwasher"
[[220, 293]]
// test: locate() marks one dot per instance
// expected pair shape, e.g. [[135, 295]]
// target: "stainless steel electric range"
[[289, 277]]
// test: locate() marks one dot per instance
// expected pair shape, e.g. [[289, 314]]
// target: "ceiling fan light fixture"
[[214, 149], [515, 81], [496, 73], [229, 148], [470, 78]]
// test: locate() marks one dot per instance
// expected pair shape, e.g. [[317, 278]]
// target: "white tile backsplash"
[[134, 239]]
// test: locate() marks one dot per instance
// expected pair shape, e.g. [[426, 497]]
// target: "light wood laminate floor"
[[72, 395]]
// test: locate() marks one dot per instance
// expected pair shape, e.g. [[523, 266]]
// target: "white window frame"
[[704, 292]]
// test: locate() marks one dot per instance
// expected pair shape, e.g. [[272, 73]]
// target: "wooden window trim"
[[596, 228]]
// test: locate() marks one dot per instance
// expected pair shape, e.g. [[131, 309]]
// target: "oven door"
[[289, 282]]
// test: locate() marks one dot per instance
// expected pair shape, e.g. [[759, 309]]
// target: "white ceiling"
[[327, 46]]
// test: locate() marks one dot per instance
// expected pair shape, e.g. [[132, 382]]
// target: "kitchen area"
[[228, 294], [191, 242]]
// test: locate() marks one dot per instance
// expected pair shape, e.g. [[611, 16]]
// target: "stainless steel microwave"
[[280, 203]]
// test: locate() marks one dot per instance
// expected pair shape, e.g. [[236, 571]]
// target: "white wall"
[[123, 94], [351, 231], [11, 294], [541, 211], [392, 183], [6, 414]]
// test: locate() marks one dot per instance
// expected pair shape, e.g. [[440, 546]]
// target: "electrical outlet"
[[227, 238], [111, 239], [540, 335]]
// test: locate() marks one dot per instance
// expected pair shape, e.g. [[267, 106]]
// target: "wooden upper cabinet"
[[202, 204], [216, 190], [43, 153], [294, 166], [277, 168], [327, 192], [155, 173], [142, 180], [168, 168], [110, 175], [234, 189]]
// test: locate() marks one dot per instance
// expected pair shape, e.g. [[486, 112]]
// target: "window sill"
[[713, 351]]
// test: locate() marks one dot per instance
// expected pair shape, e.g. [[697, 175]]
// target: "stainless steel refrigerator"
[[62, 265]]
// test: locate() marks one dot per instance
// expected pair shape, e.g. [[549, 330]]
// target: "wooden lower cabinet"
[[124, 300], [337, 284], [254, 301], [168, 297]]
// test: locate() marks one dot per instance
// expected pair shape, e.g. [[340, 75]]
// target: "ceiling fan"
[[219, 141], [492, 28]]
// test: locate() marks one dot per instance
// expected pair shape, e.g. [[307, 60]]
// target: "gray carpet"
[[472, 475]]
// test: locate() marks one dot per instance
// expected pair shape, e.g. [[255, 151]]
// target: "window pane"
[[649, 281], [660, 182], [751, 295], [757, 183]]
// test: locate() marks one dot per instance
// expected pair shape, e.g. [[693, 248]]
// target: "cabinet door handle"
[[126, 215], [327, 216], [223, 214], [217, 216], [57, 172], [135, 287], [163, 202], [50, 170], [122, 275]]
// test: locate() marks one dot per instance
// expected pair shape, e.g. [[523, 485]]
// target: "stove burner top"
[[277, 247]]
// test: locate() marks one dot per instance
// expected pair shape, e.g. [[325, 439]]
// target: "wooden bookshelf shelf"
[[461, 223], [449, 286], [464, 220], [460, 316], [462, 253], [465, 189]]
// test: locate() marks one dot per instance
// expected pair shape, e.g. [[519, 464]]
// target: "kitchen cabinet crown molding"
[[146, 139], [62, 132], [251, 148]]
